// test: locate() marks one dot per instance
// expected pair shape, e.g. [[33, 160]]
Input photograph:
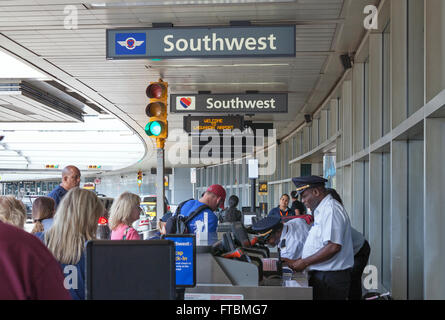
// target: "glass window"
[[386, 96], [386, 221], [366, 104], [416, 53]]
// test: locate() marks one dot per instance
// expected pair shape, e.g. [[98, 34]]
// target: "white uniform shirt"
[[357, 240], [331, 223], [293, 237]]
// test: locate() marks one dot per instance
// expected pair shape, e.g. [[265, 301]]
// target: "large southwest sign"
[[201, 42], [229, 103]]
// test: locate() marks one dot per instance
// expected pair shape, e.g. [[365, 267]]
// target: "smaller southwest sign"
[[229, 103]]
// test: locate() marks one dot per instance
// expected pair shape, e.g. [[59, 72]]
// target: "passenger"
[[124, 211], [297, 206], [213, 197], [75, 222], [103, 230], [12, 211], [328, 251], [43, 209], [28, 270], [161, 226], [289, 237], [232, 214], [362, 250], [70, 179], [282, 210]]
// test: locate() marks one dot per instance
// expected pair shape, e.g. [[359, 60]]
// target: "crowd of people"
[[49, 262]]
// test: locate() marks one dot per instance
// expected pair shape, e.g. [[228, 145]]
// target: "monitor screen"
[[247, 219], [185, 258], [136, 270]]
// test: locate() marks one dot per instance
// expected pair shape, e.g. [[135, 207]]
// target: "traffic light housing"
[[156, 110], [139, 178]]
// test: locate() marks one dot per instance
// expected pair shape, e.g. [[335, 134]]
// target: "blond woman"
[[75, 222], [12, 211], [43, 209], [124, 211]]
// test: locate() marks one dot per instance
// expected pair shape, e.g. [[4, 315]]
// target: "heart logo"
[[185, 102]]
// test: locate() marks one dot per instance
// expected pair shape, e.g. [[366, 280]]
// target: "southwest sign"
[[229, 103], [201, 42]]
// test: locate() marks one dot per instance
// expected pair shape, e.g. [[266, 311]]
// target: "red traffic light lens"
[[155, 90]]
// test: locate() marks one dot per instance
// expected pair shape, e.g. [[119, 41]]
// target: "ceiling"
[[34, 31]]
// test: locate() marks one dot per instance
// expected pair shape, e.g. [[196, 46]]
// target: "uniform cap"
[[219, 191], [303, 183], [265, 226]]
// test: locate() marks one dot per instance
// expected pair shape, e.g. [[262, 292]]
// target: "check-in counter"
[[220, 278]]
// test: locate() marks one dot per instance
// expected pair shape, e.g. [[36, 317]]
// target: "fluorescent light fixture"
[[102, 5], [247, 65], [228, 84], [12, 68]]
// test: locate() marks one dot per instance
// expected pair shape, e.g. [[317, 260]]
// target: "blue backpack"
[[177, 224]]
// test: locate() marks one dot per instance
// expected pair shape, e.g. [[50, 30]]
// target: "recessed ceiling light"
[[102, 5]]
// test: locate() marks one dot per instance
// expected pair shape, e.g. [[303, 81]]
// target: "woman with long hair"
[[75, 222], [124, 211], [43, 209]]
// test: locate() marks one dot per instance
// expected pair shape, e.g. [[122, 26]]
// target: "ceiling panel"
[[80, 53]]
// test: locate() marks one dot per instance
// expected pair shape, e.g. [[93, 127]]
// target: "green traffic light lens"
[[153, 128]]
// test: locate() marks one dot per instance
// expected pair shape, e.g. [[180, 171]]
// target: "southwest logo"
[[131, 43], [185, 103]]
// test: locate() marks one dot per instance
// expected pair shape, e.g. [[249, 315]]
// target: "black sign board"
[[195, 124]]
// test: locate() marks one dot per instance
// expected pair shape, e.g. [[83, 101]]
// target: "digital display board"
[[185, 258], [198, 124]]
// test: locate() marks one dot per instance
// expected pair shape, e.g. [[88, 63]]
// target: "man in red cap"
[[212, 199]]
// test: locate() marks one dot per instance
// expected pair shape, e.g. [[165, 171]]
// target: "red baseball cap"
[[219, 191]]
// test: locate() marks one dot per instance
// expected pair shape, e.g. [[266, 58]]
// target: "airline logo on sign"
[[130, 43], [185, 103]]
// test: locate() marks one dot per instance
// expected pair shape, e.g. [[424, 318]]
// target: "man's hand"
[[297, 265]]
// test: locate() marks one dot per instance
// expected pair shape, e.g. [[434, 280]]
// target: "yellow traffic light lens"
[[155, 109]]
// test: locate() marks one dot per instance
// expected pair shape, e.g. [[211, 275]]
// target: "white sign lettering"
[[237, 103], [215, 43]]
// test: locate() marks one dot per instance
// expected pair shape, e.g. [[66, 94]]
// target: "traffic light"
[[156, 110], [139, 178]]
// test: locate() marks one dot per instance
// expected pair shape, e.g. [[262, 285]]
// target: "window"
[[386, 89]]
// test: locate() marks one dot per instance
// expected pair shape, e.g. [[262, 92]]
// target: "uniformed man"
[[289, 237], [327, 252], [362, 250]]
